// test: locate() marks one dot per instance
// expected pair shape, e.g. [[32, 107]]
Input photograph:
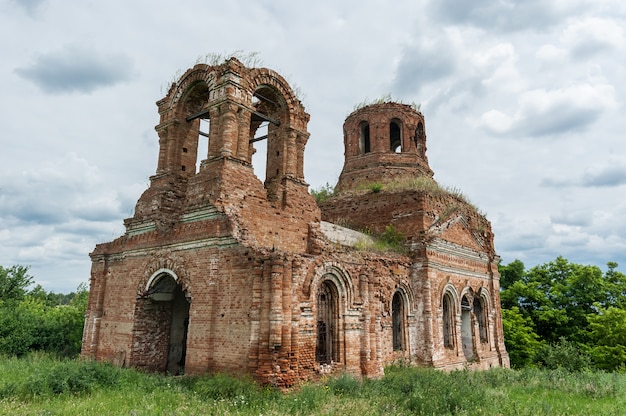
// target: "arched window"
[[397, 321], [195, 135], [466, 328], [327, 349], [481, 315], [364, 141], [448, 320], [267, 134], [395, 136]]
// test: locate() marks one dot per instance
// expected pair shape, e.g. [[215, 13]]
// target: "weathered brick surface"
[[219, 271]]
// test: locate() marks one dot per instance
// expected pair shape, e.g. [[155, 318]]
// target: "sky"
[[523, 102]]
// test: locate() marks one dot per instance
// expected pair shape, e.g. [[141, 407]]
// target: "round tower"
[[383, 143]]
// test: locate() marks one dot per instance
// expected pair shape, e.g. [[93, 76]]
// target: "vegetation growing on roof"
[[422, 184], [390, 240], [323, 193], [386, 98], [249, 59]]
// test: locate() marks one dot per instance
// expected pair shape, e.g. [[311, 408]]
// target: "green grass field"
[[40, 385]]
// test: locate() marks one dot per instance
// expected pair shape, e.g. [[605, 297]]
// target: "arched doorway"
[[161, 325], [327, 348]]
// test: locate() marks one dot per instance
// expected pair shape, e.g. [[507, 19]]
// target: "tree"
[[37, 320], [522, 343], [511, 273], [323, 193], [608, 338], [570, 308], [13, 282], [558, 296]]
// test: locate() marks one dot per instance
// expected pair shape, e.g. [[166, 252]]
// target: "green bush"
[[33, 324], [563, 354], [375, 187], [323, 193]]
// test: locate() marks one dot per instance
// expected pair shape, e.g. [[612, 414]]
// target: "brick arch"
[[407, 294], [169, 264], [485, 295], [263, 77], [448, 287], [199, 73], [158, 273], [330, 271], [469, 293], [266, 77]]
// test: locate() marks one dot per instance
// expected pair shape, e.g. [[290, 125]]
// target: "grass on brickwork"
[[40, 385], [390, 240]]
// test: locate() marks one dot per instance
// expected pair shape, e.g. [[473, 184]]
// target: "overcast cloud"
[[523, 103], [76, 69]]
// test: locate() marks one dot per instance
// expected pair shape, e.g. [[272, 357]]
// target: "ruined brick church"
[[219, 271]]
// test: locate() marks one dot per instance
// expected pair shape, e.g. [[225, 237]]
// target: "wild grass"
[[41, 385], [385, 98], [391, 240]]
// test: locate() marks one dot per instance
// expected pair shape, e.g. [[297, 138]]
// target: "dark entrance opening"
[[160, 328]]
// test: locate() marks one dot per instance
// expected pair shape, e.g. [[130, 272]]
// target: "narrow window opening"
[[466, 328], [397, 321], [365, 137], [481, 316], [203, 142], [259, 150], [448, 321], [395, 137]]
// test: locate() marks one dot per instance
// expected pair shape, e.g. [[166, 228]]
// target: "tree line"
[[36, 320], [562, 314]]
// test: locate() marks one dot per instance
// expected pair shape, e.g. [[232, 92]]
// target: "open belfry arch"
[[222, 269]]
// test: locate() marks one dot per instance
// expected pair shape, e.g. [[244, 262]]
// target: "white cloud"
[[551, 54], [544, 112], [591, 35], [499, 64]]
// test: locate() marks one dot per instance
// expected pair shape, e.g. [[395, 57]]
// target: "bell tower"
[[211, 122], [383, 142]]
